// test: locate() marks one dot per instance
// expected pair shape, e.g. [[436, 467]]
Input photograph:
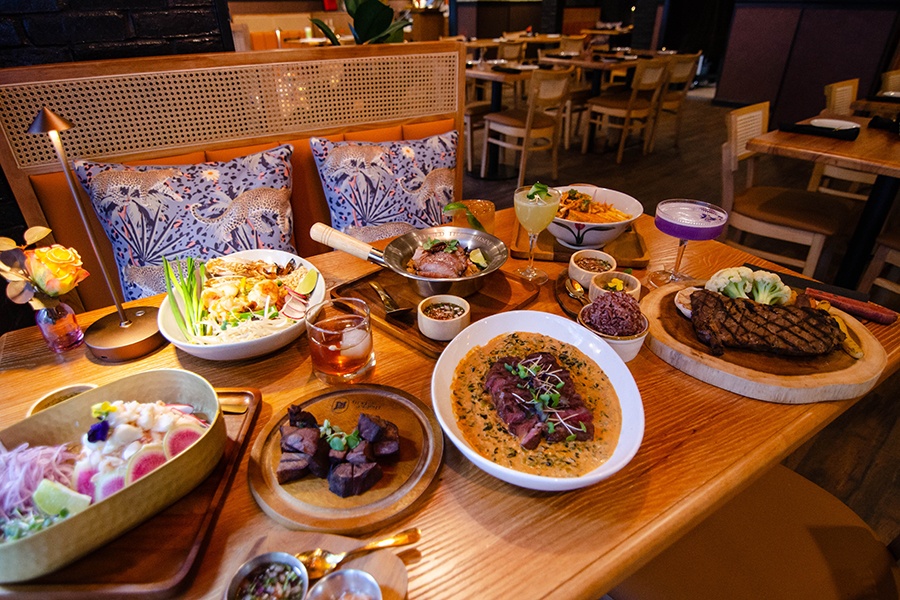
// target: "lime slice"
[[478, 258], [52, 497], [308, 283]]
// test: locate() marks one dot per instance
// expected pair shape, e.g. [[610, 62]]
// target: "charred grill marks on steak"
[[720, 322], [536, 398]]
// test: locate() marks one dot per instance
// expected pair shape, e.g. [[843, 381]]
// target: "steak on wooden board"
[[720, 322]]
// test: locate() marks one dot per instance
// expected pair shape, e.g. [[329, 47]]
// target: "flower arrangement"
[[40, 275]]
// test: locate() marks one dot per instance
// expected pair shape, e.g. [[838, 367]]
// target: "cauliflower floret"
[[769, 289], [734, 282]]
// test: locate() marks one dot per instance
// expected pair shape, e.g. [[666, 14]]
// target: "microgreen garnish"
[[542, 387], [337, 439]]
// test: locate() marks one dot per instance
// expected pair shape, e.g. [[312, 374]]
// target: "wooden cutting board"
[[629, 249], [764, 376]]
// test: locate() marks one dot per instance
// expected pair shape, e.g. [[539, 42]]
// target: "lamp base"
[[108, 340]]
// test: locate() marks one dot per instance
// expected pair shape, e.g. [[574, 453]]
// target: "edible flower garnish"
[[102, 409], [615, 285]]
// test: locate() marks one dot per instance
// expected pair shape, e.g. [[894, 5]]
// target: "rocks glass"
[[340, 339]]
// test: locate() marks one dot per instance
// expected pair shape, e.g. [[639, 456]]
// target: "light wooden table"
[[482, 538], [874, 106], [874, 151], [596, 67]]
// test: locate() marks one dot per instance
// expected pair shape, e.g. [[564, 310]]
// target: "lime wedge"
[[478, 258], [308, 283], [52, 497]]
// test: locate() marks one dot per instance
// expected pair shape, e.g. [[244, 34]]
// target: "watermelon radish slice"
[[144, 460], [82, 477], [108, 484], [180, 437]]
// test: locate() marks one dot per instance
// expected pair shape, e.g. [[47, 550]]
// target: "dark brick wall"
[[36, 32], [47, 31]]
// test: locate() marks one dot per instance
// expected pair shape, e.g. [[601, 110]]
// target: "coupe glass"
[[686, 220], [534, 214]]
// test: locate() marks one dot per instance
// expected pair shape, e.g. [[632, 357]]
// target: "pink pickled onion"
[[23, 468]]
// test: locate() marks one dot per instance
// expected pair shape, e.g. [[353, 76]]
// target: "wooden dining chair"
[[887, 253], [679, 79], [572, 43], [828, 179], [799, 217], [783, 538], [630, 111], [473, 119], [890, 81], [531, 129]]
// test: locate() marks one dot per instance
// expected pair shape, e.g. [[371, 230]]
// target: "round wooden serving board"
[[761, 375], [307, 502]]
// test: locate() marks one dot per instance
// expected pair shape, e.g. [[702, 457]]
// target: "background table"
[[874, 151], [482, 537]]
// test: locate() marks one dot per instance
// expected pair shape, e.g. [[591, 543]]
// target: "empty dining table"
[[873, 151]]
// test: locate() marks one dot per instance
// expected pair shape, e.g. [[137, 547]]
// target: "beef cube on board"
[[352, 479], [299, 439], [292, 465]]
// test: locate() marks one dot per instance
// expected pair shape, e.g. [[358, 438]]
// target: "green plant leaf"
[[326, 30], [351, 6], [7, 243], [392, 35], [36, 233], [372, 20]]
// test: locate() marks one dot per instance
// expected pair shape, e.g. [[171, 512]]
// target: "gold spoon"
[[575, 290], [320, 563]]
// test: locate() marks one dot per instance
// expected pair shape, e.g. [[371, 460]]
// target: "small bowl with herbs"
[[443, 316], [614, 281], [584, 264], [271, 575]]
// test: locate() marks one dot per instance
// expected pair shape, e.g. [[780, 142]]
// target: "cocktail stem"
[[678, 257], [532, 238]]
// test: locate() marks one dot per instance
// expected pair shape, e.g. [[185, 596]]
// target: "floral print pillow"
[[206, 210], [370, 184]]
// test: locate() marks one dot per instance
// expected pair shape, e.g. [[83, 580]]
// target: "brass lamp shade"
[[47, 121]]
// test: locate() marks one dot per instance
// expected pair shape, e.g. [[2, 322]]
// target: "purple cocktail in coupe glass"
[[686, 220]]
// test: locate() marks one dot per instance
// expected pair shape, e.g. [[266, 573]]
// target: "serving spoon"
[[575, 290], [320, 562]]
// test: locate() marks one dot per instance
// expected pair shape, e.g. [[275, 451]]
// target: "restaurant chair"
[[572, 43], [630, 111], [473, 118], [537, 130], [887, 252], [800, 217], [264, 40], [514, 53], [514, 35], [890, 81], [576, 105], [783, 538], [828, 179], [679, 79]]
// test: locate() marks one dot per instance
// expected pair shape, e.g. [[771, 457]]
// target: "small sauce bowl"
[[584, 275], [445, 324], [346, 584], [599, 282], [258, 563]]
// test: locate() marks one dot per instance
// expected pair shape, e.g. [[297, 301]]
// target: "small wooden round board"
[[762, 375], [307, 502]]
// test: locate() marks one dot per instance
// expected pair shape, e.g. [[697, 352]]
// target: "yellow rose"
[[54, 269]]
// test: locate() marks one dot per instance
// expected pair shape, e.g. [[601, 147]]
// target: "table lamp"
[[129, 332]]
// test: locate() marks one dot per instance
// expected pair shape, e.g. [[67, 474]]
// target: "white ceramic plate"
[[564, 330], [890, 94], [683, 301], [834, 124], [250, 348]]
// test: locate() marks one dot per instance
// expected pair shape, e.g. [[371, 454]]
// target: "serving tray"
[[762, 375], [154, 559], [307, 503], [629, 249], [500, 292]]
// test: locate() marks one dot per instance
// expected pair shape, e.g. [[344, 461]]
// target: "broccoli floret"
[[769, 289], [734, 282]]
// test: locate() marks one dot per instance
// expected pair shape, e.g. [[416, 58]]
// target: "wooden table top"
[[874, 151], [482, 537], [874, 106], [488, 74], [586, 62]]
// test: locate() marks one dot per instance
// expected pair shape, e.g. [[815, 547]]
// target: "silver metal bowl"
[[398, 252], [337, 583], [264, 559]]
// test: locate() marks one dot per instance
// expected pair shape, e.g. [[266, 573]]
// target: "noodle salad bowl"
[[250, 348], [578, 234]]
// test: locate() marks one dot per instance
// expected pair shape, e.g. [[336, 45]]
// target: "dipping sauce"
[[443, 311], [593, 264], [274, 581], [487, 434]]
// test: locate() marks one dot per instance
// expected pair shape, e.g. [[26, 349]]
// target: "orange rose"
[[54, 269]]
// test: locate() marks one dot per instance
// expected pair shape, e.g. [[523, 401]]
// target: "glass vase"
[[59, 327]]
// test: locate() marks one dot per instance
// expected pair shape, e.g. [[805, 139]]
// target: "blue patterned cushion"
[[204, 211], [369, 183]]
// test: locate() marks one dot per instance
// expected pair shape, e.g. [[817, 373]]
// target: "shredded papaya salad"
[[227, 300]]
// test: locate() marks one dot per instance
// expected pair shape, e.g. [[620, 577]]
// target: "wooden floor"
[[856, 458]]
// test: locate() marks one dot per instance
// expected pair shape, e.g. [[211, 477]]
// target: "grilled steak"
[[720, 322]]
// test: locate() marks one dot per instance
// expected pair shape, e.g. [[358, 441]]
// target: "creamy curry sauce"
[[487, 434]]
